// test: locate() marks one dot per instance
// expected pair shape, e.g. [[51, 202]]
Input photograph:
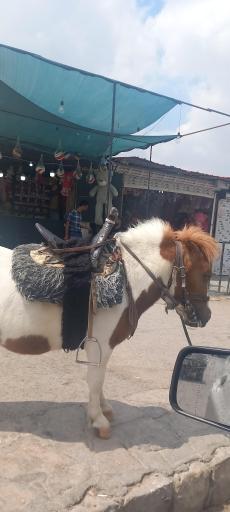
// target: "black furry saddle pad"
[[68, 283], [35, 281]]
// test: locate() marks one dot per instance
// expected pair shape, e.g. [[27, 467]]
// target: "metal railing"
[[221, 275]]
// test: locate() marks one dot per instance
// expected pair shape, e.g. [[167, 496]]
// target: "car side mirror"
[[200, 386]]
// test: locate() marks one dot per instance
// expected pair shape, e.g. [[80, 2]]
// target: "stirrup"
[[89, 363]]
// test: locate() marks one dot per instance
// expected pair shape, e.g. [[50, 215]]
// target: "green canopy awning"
[[32, 89]]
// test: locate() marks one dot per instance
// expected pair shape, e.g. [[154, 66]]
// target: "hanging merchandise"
[[67, 183], [40, 170], [40, 167], [17, 150], [60, 171], [90, 178], [60, 154], [67, 155], [99, 191], [78, 171]]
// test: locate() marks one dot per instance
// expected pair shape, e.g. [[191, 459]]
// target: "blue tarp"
[[32, 89]]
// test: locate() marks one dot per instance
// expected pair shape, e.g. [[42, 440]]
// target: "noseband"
[[187, 298], [183, 307]]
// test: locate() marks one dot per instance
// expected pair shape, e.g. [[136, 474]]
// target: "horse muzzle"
[[194, 316], [189, 316]]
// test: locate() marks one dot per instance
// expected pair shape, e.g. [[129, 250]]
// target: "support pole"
[[111, 145], [221, 266], [148, 189], [214, 214]]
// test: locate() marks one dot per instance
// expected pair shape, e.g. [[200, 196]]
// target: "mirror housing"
[[200, 385]]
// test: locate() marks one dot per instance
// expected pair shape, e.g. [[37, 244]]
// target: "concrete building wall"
[[223, 233]]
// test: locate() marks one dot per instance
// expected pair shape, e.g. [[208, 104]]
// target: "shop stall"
[[174, 195]]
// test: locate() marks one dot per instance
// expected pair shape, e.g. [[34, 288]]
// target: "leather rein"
[[171, 302]]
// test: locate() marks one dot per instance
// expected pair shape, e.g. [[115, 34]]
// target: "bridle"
[[184, 306]]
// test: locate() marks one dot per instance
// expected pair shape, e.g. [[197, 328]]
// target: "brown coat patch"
[[123, 327], [30, 345]]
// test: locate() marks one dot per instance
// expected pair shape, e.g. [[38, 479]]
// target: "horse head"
[[199, 252]]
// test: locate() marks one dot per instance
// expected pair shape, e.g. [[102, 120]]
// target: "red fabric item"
[[67, 183], [201, 220]]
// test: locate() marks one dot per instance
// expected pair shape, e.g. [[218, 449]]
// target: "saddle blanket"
[[39, 276]]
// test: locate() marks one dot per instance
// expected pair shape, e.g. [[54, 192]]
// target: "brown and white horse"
[[35, 327]]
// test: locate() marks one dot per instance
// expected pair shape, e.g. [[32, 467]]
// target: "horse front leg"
[[98, 408], [106, 407]]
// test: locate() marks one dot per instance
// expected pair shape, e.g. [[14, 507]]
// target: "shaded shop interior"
[[175, 208], [35, 188], [172, 194]]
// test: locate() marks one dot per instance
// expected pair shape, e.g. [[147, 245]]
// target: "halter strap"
[[169, 299]]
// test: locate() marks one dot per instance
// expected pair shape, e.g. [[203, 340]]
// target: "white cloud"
[[197, 53], [182, 51]]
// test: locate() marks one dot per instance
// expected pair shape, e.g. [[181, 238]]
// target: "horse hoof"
[[108, 414], [104, 432]]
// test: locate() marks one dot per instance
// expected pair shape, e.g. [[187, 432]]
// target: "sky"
[[180, 48]]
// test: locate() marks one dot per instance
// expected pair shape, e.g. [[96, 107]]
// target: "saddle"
[[58, 245], [64, 273]]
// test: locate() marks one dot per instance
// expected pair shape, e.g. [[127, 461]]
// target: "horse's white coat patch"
[[145, 240], [19, 317]]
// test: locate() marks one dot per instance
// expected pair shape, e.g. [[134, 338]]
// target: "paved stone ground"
[[155, 460], [226, 508]]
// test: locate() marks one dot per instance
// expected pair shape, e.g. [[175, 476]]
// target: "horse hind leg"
[[95, 378]]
